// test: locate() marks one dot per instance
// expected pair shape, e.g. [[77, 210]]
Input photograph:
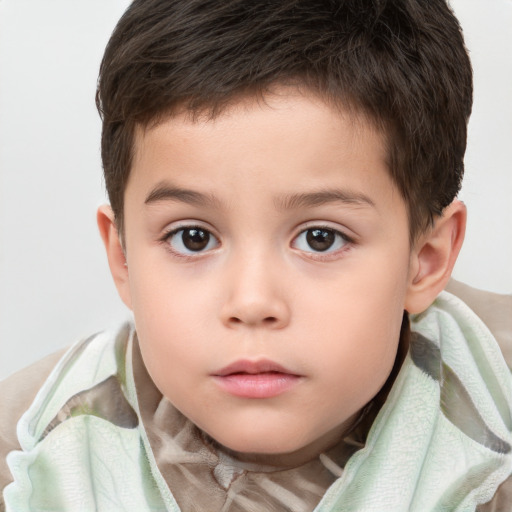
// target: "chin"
[[262, 442]]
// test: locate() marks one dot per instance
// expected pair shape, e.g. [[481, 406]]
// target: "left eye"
[[320, 240], [190, 240]]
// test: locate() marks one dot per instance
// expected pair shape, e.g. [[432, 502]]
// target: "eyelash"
[[328, 254], [322, 255], [167, 236]]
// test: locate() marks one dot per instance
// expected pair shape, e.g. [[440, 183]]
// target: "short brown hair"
[[401, 63]]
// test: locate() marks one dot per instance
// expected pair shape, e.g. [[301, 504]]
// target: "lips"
[[252, 368], [255, 379]]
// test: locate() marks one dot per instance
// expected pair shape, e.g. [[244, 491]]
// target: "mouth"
[[256, 379]]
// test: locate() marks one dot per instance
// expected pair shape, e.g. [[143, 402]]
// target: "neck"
[[275, 461]]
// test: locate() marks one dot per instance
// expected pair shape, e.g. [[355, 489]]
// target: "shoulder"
[[494, 309], [18, 392], [53, 390], [86, 410]]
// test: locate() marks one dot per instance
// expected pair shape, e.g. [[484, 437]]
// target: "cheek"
[[358, 327], [362, 351], [169, 328]]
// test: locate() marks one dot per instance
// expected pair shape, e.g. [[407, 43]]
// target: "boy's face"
[[268, 266]]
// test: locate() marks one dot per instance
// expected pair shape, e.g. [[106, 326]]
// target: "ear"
[[433, 257], [115, 252]]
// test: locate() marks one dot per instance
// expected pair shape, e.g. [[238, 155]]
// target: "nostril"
[[269, 320]]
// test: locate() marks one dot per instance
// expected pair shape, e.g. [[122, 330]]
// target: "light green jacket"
[[442, 441]]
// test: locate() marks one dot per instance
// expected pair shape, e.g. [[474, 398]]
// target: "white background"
[[54, 281]]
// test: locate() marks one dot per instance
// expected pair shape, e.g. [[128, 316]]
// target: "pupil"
[[320, 239], [195, 239]]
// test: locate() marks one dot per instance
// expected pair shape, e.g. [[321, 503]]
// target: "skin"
[[258, 289]]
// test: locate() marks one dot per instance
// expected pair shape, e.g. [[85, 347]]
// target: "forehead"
[[284, 143]]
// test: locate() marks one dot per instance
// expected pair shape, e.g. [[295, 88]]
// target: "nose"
[[255, 295]]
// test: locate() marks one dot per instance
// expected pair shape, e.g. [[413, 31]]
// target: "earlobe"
[[115, 252], [434, 256]]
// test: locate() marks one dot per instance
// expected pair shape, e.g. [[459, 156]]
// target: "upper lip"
[[252, 367]]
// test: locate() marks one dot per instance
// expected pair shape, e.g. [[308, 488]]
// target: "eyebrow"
[[164, 192], [321, 197]]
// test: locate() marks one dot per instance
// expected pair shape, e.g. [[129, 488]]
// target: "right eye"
[[191, 240]]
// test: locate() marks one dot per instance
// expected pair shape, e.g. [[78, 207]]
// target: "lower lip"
[[258, 385]]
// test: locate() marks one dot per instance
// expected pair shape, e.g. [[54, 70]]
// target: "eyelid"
[[175, 227], [342, 230], [349, 241]]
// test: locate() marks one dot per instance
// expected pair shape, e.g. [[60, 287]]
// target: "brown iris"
[[320, 239], [195, 239]]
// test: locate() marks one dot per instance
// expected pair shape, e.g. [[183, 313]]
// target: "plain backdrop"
[[55, 285]]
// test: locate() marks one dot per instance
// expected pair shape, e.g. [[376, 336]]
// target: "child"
[[282, 179]]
